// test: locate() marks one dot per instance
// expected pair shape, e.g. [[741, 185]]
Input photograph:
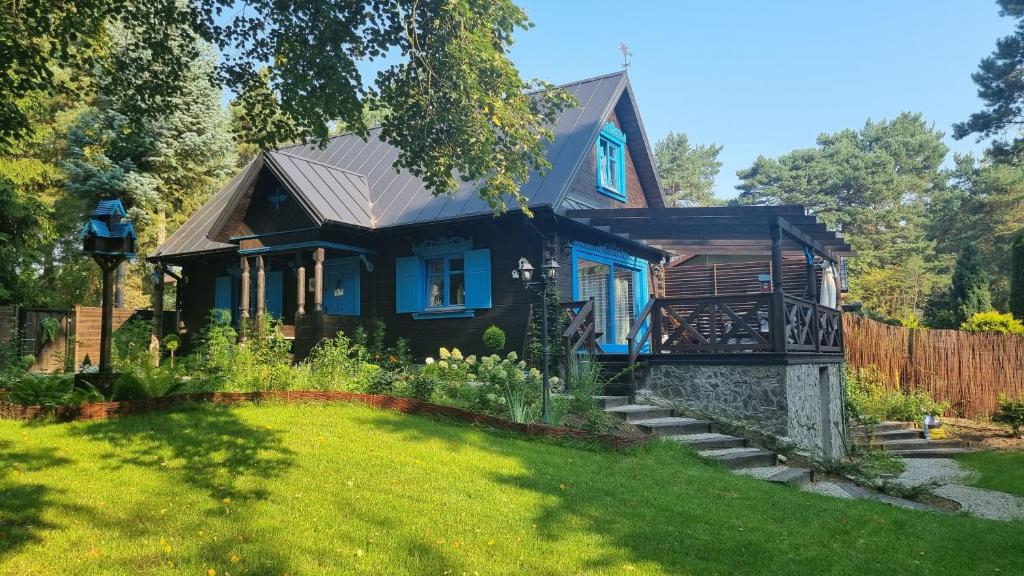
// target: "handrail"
[[631, 340], [579, 318]]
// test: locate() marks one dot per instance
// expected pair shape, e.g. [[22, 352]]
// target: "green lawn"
[[1003, 471], [341, 489]]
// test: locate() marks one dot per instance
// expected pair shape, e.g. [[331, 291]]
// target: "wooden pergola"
[[749, 323], [749, 230]]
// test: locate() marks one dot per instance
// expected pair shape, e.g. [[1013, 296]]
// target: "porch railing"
[[727, 324], [581, 330]]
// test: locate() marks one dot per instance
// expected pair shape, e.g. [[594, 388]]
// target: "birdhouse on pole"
[[110, 240]]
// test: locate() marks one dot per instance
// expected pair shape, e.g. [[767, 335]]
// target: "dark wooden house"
[[328, 239]]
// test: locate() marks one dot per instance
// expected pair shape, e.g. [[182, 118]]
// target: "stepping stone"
[[890, 435], [741, 457], [611, 401], [828, 489], [931, 452], [634, 412], [709, 440], [883, 427], [779, 474], [672, 425], [921, 444]]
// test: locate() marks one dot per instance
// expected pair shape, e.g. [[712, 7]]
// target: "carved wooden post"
[[245, 298], [778, 311], [261, 294], [158, 314], [318, 282]]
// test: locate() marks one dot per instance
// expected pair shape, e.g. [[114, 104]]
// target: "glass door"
[[618, 285]]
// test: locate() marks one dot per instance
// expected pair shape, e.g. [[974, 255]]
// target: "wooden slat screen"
[[967, 370]]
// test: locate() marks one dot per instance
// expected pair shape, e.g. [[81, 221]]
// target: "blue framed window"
[[611, 162], [618, 284], [444, 280]]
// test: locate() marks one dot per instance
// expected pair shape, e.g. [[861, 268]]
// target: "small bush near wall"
[[870, 401]]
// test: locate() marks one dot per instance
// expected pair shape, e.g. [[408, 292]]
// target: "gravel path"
[[954, 478]]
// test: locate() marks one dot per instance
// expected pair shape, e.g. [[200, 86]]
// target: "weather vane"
[[626, 54]]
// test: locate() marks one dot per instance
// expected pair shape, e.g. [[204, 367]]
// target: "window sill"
[[440, 313], [612, 194]]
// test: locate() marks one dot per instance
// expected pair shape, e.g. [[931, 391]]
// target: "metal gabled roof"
[[354, 182]]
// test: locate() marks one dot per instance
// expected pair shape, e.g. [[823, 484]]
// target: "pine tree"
[[163, 168], [1017, 276], [969, 293]]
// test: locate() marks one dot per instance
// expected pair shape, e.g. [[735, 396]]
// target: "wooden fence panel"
[[967, 370]]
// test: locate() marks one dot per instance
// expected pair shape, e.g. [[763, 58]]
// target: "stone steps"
[[730, 451], [634, 412], [902, 439]]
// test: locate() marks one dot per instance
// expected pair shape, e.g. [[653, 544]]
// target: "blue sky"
[[767, 77]]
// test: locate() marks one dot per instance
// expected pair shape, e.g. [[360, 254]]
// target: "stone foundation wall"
[[796, 401]]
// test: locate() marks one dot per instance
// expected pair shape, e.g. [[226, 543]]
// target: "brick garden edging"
[[105, 410]]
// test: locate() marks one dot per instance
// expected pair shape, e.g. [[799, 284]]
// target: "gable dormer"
[[617, 170]]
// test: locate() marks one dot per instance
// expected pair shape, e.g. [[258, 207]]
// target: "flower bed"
[[103, 410]]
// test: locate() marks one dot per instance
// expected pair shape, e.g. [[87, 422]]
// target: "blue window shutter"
[[274, 293], [408, 284], [478, 278], [222, 295]]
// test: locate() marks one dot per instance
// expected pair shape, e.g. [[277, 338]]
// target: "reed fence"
[[968, 370]]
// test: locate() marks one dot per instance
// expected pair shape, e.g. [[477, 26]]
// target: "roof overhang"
[[739, 230]]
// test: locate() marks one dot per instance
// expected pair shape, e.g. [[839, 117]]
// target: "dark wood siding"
[[583, 189]]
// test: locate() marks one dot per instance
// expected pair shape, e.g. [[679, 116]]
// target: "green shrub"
[[339, 363], [993, 321], [50, 390], [422, 385], [508, 379], [171, 343], [131, 344], [144, 381], [582, 409], [384, 382], [1010, 412], [494, 339], [870, 400]]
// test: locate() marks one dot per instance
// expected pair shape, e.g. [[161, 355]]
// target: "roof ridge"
[[324, 164], [553, 87]]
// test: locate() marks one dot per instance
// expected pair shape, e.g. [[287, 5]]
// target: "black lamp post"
[[525, 273]]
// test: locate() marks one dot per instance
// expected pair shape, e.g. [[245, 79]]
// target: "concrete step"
[[884, 427], [889, 435], [931, 452], [779, 474], [709, 440], [611, 401], [634, 412], [741, 457], [921, 444], [672, 425]]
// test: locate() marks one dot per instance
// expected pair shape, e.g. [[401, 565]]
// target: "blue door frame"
[[615, 260]]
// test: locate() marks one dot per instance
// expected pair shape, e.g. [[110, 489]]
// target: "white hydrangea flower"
[[445, 354], [429, 360]]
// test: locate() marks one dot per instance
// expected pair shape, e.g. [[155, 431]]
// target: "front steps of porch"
[[731, 451]]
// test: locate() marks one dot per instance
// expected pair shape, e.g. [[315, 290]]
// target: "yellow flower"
[[234, 558], [211, 572]]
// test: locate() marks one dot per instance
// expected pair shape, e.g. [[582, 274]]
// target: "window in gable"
[[611, 162]]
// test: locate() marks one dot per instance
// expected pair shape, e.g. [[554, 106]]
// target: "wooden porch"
[[746, 311]]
